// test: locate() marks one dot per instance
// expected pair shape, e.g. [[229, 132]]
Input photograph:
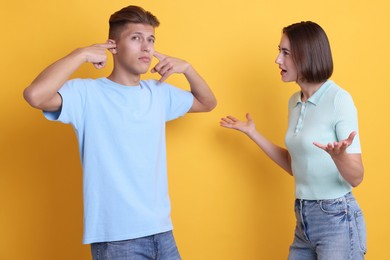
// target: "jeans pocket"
[[335, 206], [361, 230]]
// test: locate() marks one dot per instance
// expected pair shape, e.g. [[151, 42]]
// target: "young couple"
[[120, 121]]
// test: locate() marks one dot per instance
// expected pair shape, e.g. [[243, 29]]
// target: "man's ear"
[[112, 50]]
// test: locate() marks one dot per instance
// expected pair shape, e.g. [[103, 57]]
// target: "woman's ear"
[[112, 50]]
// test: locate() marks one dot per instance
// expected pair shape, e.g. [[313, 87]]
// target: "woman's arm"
[[276, 153], [350, 166]]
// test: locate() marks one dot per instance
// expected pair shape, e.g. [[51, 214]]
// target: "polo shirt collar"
[[316, 97]]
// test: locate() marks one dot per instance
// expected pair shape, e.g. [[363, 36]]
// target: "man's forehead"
[[138, 28]]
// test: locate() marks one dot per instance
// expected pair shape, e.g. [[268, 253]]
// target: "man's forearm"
[[204, 98], [42, 93], [50, 80]]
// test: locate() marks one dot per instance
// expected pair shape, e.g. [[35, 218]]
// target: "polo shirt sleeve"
[[73, 96], [346, 120]]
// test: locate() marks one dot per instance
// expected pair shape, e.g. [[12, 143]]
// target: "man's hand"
[[96, 54], [204, 99], [169, 65]]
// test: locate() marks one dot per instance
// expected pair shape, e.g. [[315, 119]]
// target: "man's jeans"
[[156, 247], [329, 230]]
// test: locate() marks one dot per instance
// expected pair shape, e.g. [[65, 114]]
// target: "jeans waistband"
[[349, 196]]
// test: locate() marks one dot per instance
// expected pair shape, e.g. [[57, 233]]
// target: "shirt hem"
[[126, 237]]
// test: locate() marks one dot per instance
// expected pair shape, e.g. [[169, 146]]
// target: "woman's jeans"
[[156, 247], [329, 230]]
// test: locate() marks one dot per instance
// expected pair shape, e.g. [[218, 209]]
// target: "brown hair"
[[310, 50], [130, 14]]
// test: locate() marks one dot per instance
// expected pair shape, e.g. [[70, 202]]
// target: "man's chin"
[[144, 70], [141, 71]]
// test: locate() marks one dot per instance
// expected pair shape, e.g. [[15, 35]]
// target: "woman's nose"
[[278, 59]]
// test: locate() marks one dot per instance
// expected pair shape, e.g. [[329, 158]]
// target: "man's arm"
[[204, 99], [43, 91]]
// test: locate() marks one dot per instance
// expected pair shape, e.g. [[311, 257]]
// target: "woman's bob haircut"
[[310, 50]]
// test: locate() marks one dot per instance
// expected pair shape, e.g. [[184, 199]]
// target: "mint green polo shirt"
[[329, 115]]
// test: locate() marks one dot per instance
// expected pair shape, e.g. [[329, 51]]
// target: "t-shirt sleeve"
[[347, 120], [178, 102], [73, 96]]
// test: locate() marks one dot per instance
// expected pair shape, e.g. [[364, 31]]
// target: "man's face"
[[135, 48]]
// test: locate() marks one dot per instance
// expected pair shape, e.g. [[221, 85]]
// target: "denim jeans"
[[329, 230], [156, 247]]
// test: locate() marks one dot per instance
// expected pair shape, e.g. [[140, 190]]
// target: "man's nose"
[[147, 47]]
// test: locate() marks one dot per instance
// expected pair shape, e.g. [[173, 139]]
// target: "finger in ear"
[[112, 50]]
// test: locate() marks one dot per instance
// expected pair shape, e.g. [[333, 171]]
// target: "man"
[[120, 125]]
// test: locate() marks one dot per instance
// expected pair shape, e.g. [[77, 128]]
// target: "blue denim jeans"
[[156, 247], [329, 230]]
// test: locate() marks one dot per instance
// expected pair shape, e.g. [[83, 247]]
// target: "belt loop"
[[347, 197]]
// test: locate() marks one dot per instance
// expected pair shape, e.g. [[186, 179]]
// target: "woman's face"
[[284, 60]]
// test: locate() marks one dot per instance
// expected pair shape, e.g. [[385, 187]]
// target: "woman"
[[323, 149]]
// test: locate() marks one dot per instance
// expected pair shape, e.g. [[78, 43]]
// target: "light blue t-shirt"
[[329, 115], [121, 136]]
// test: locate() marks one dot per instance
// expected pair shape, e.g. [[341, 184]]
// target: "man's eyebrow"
[[140, 33]]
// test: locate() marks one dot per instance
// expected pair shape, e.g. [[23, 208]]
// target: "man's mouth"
[[144, 59]]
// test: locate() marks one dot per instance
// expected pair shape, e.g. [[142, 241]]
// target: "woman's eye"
[[284, 51]]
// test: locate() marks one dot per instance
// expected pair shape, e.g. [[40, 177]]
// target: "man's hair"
[[310, 50], [130, 14]]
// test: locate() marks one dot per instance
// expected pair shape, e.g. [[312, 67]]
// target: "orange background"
[[229, 201]]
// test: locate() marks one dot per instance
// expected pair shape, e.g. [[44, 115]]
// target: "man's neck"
[[125, 79]]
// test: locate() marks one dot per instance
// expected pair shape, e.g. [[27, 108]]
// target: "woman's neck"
[[308, 89]]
